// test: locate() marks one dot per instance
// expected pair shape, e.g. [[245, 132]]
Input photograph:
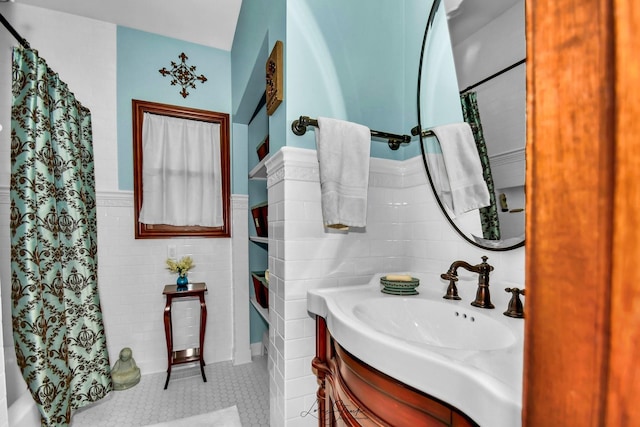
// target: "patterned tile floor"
[[246, 386]]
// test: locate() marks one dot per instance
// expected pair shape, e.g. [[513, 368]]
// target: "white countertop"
[[484, 384]]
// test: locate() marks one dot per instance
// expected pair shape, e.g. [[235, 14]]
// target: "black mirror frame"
[[432, 14]]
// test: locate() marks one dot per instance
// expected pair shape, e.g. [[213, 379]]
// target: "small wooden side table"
[[191, 354]]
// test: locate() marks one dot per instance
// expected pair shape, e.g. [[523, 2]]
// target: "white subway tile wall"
[[405, 232], [132, 275]]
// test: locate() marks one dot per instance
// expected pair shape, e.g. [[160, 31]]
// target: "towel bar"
[[299, 127], [426, 132]]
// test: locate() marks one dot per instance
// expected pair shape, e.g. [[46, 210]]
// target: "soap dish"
[[398, 292], [399, 287]]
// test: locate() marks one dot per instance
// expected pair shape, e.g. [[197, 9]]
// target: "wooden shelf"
[[260, 170], [261, 240], [263, 312], [259, 173]]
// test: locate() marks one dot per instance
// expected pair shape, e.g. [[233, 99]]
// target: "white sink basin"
[[466, 356], [434, 323]]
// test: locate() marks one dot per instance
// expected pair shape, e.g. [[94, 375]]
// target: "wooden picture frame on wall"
[[274, 78], [162, 231]]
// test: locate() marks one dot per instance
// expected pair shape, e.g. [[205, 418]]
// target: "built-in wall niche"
[[221, 179]]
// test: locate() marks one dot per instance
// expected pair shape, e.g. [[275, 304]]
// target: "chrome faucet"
[[483, 297]]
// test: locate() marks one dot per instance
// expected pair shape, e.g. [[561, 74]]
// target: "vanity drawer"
[[353, 393], [391, 401]]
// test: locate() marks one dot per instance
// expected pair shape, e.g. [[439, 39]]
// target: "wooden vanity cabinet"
[[352, 393]]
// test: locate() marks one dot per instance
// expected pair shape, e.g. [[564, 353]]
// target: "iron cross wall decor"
[[183, 74]]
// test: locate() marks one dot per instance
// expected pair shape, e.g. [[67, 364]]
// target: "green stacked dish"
[[406, 286]]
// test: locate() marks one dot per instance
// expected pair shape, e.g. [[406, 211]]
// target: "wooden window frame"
[[155, 231]]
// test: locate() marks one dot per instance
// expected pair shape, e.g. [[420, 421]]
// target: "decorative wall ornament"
[[183, 74], [274, 76]]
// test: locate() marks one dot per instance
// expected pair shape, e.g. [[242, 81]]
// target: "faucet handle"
[[452, 289], [515, 308], [449, 276], [484, 263]]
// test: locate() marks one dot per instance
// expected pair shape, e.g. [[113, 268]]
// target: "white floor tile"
[[246, 386]]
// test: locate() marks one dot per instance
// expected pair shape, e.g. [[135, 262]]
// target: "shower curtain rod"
[[14, 33], [299, 127], [494, 75]]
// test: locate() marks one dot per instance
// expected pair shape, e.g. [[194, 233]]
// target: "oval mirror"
[[472, 69]]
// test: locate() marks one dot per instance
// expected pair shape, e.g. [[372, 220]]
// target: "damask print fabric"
[[57, 321], [489, 215]]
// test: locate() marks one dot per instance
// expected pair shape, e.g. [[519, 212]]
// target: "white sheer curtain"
[[181, 175]]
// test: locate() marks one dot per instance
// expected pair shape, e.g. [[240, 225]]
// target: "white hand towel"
[[464, 170], [343, 155], [438, 172]]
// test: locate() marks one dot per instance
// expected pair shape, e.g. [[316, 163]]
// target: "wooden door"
[[583, 199]]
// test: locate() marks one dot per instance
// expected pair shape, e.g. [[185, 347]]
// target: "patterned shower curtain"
[[489, 214], [57, 322]]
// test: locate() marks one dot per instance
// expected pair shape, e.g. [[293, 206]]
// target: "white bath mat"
[[227, 417]]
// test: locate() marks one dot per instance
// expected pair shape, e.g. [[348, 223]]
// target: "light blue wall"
[[416, 15], [239, 170], [260, 25], [356, 60], [440, 99], [140, 56], [342, 59], [346, 60]]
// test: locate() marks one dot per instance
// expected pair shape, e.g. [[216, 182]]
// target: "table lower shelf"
[[188, 355]]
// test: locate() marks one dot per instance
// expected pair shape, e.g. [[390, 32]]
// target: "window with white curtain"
[[181, 173]]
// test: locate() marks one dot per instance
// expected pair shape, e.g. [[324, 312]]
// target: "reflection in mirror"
[[486, 52], [181, 171]]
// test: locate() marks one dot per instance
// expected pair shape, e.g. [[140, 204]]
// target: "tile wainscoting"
[[405, 231], [132, 274]]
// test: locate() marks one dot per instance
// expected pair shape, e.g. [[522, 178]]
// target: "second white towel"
[[343, 155], [463, 168]]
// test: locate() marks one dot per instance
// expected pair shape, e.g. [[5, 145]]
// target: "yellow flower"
[[181, 267]]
